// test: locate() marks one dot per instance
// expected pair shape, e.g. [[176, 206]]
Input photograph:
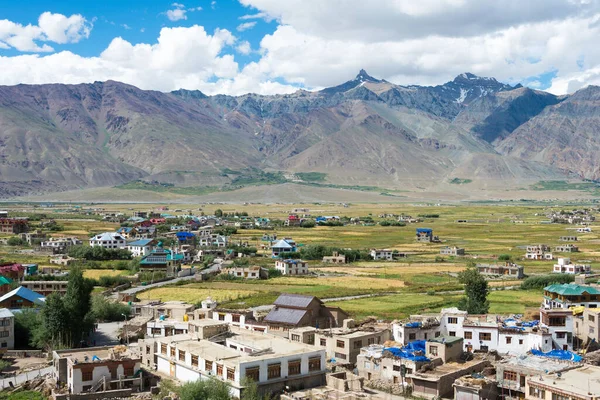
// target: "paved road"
[[106, 334], [135, 290], [27, 376]]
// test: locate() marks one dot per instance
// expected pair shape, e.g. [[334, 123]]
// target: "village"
[[302, 302]]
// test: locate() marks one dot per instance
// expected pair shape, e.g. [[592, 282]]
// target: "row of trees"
[[98, 253]]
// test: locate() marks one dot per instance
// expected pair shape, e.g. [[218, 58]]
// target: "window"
[[235, 318], [412, 336], [219, 370], [520, 341], [556, 396], [358, 344], [340, 344], [6, 333], [194, 361], [433, 350], [181, 355], [163, 349], [314, 364], [557, 321], [425, 336], [452, 333], [485, 336], [592, 330], [274, 371], [340, 355], [128, 370], [510, 376], [468, 335], [230, 374], [87, 375], [452, 320], [253, 373], [296, 338], [591, 318], [537, 393], [397, 368], [437, 334], [370, 341], [323, 342], [311, 338], [561, 335], [294, 367], [508, 340], [155, 331], [173, 352], [208, 365]]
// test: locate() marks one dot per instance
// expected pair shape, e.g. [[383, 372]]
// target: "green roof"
[[571, 289], [446, 339], [4, 280]]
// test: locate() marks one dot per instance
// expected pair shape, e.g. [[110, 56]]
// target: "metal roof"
[[571, 289], [285, 316], [24, 293], [5, 313], [140, 243], [282, 244], [293, 300]]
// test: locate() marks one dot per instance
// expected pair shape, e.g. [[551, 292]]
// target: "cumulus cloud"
[[244, 48], [176, 14], [51, 27], [245, 26]]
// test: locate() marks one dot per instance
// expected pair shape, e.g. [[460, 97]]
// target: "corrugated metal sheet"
[[293, 300], [285, 316]]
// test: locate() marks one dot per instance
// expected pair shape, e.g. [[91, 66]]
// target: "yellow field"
[[369, 268], [341, 281], [98, 273], [193, 295]]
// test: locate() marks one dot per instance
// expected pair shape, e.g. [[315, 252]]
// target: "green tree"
[[106, 310], [218, 213], [15, 241], [476, 291], [250, 391], [77, 302], [209, 389], [55, 330]]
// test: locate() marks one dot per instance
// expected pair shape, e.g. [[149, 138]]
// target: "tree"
[[250, 390], [218, 213], [476, 291], [106, 310], [77, 301], [209, 389], [55, 330], [15, 241]]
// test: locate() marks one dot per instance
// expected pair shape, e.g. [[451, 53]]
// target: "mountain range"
[[364, 132]]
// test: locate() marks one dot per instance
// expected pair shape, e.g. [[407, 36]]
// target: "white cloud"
[[126, 27], [51, 27], [178, 5], [261, 15], [176, 14], [213, 4], [244, 48], [245, 26]]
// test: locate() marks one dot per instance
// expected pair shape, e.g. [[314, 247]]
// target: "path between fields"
[[364, 296]]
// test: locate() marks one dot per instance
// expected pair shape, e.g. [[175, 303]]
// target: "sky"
[[278, 46]]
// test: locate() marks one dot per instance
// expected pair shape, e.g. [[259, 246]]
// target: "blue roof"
[[424, 230], [24, 293], [124, 229], [141, 242], [185, 235]]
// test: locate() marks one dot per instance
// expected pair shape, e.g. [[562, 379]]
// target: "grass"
[[194, 295], [312, 176], [162, 188], [564, 185]]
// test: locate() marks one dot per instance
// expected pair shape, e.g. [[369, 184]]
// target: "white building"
[[61, 243], [274, 363], [254, 272], [565, 266], [141, 248], [109, 240], [480, 332], [7, 329], [213, 240], [292, 267], [166, 327], [383, 254]]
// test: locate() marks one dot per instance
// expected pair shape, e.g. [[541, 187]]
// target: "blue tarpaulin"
[[408, 351], [413, 325], [558, 354], [531, 324]]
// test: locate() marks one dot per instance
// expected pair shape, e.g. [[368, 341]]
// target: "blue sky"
[[288, 44]]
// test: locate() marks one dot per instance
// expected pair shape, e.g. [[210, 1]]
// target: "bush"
[[540, 282], [112, 281], [150, 276], [428, 215], [106, 310], [226, 230], [274, 273], [504, 257], [309, 223], [16, 241], [98, 253], [331, 223], [391, 223]]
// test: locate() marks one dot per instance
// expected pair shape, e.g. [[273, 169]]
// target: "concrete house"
[[109, 240], [274, 363], [292, 267], [253, 272], [141, 247], [568, 238], [283, 246], [97, 369], [579, 383], [21, 298], [566, 248], [507, 269], [538, 252], [565, 266], [46, 288], [452, 251], [335, 258], [60, 244], [384, 254], [425, 235], [7, 329], [14, 225], [295, 310]]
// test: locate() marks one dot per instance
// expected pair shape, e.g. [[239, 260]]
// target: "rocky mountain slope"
[[366, 131]]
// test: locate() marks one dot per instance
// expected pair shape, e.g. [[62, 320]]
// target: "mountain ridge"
[[365, 131]]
